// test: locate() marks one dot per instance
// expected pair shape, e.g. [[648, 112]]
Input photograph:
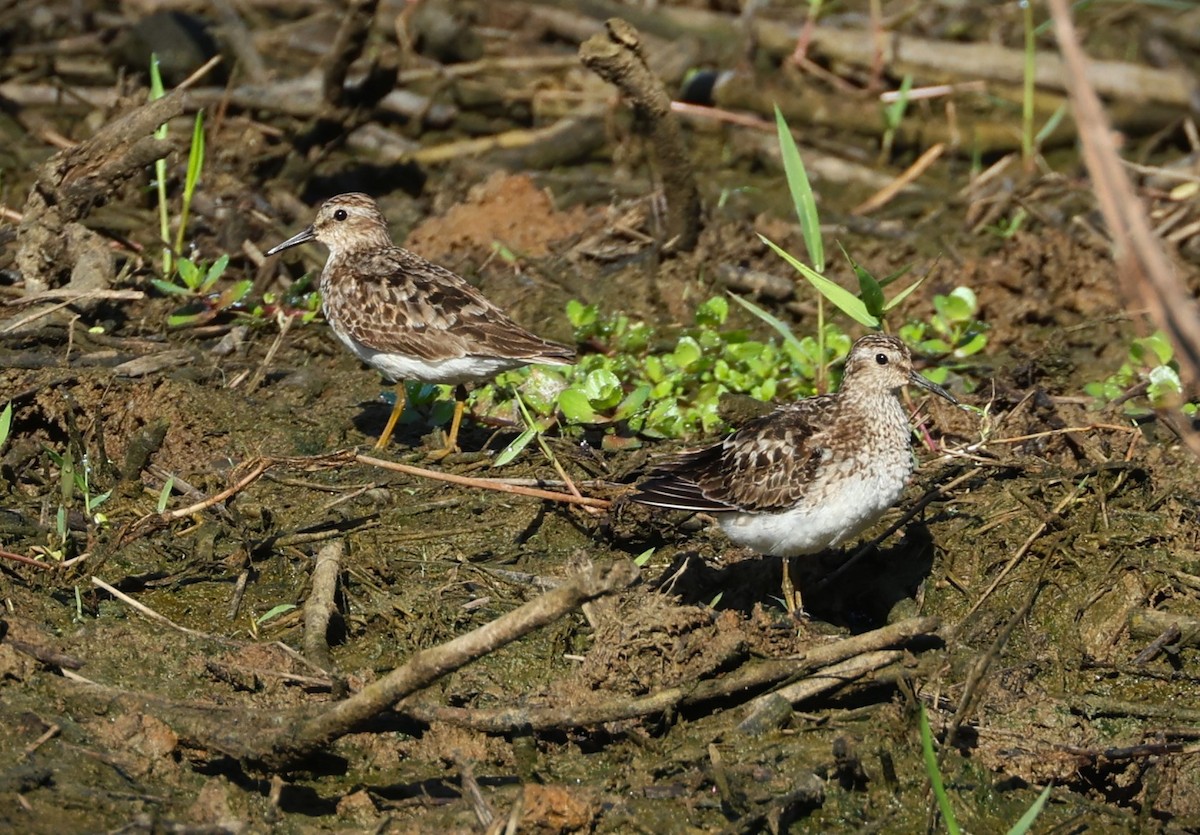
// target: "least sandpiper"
[[811, 474], [409, 318]]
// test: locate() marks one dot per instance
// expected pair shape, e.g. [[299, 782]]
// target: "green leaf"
[[903, 294], [802, 193], [713, 312], [514, 449], [95, 501], [1025, 822], [1164, 387], [165, 494], [643, 558], [234, 294], [178, 320], [687, 352], [780, 327], [1157, 345], [190, 273], [602, 388], [5, 423], [972, 347], [275, 612], [841, 298], [169, 288], [216, 271], [576, 407], [870, 290], [890, 277], [632, 402], [967, 295]]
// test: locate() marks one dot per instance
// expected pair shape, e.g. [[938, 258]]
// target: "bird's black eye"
[[882, 359], [340, 214]]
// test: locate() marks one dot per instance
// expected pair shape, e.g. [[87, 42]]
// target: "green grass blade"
[[194, 167], [935, 776], [1051, 124], [514, 449], [802, 193], [779, 325], [160, 170], [1025, 823], [894, 112], [842, 298], [904, 294], [275, 612], [165, 495]]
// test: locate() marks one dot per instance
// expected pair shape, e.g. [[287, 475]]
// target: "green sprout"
[[72, 479], [194, 167], [893, 115], [199, 282], [192, 279], [1146, 381], [1029, 75], [952, 335], [869, 307]]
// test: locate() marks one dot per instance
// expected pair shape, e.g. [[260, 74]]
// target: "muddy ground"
[[1050, 544]]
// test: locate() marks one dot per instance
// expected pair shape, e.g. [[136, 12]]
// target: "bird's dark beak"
[[916, 379], [300, 238]]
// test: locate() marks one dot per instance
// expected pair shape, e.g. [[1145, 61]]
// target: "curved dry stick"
[[427, 666], [483, 483], [154, 521], [261, 467], [617, 57]]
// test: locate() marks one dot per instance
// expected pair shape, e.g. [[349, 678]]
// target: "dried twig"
[[1146, 275], [617, 57], [483, 483], [321, 603], [747, 679], [427, 666]]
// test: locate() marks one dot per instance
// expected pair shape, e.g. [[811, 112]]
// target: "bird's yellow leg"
[[452, 438], [391, 424], [791, 594]]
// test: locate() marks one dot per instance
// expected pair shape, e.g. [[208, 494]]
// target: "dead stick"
[[767, 710], [745, 680], [320, 604], [885, 195], [617, 57], [1143, 269], [482, 483], [427, 666]]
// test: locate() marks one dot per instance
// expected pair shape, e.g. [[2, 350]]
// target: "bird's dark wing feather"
[[764, 466], [419, 309]]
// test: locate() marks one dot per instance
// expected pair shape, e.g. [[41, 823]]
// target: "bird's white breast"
[[848, 496], [449, 372]]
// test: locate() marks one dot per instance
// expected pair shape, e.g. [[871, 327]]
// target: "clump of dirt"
[[646, 642]]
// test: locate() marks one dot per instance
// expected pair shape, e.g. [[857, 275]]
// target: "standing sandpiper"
[[408, 318], [810, 474]]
